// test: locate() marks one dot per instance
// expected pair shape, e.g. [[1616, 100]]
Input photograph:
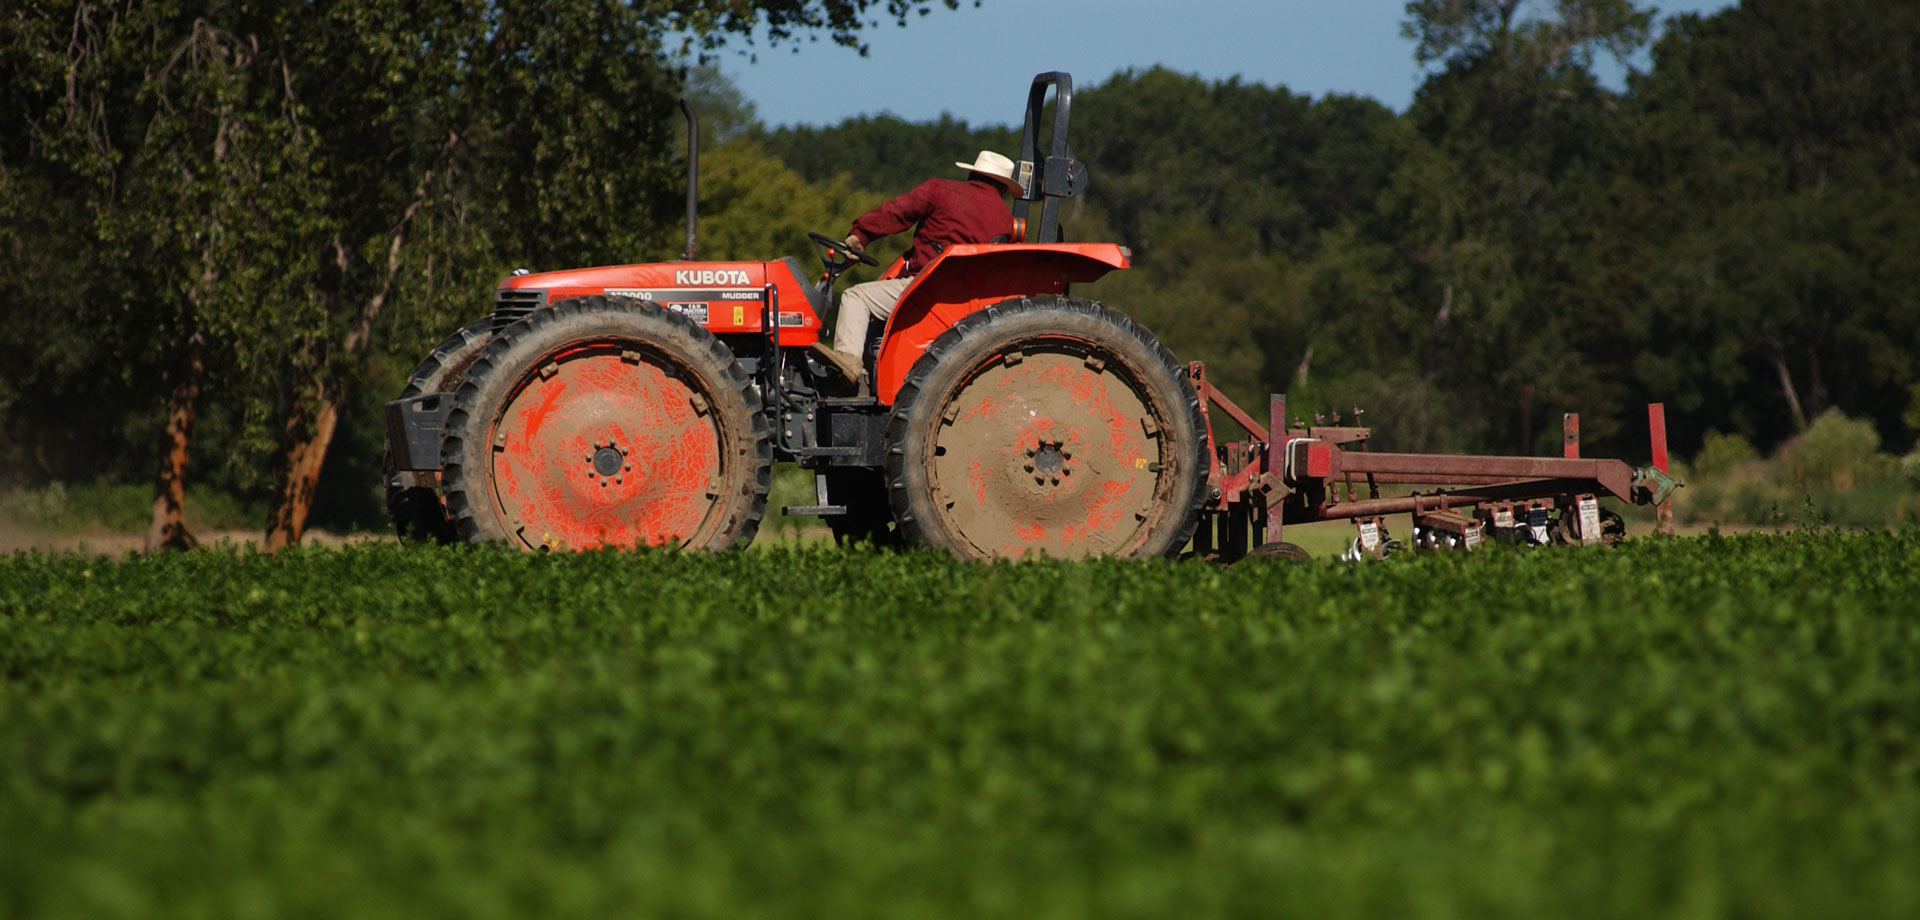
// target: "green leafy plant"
[[1717, 726]]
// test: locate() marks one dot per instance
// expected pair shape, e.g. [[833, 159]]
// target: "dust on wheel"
[[606, 421], [1047, 425], [413, 496]]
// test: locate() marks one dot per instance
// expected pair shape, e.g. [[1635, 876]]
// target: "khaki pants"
[[872, 300]]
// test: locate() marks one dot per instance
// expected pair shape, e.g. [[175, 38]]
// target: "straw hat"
[[992, 164]]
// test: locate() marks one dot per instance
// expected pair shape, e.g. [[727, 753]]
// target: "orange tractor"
[[646, 405]]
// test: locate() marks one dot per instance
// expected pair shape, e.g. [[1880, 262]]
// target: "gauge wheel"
[[1289, 552], [1051, 426], [606, 421]]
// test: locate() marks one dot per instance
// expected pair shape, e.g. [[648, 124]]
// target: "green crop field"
[[1724, 726]]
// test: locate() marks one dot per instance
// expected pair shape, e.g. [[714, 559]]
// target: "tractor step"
[[814, 510]]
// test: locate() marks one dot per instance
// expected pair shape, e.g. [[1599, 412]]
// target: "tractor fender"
[[971, 277]]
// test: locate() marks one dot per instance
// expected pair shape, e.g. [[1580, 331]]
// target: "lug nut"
[[1029, 467], [1039, 480], [1056, 480]]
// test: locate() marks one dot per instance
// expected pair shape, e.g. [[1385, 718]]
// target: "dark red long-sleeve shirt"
[[949, 212]]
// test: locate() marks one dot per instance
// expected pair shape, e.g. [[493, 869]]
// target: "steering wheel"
[[828, 244]]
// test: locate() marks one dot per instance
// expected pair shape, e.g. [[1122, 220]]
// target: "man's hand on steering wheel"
[[850, 251]]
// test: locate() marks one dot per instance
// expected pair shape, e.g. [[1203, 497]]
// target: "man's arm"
[[894, 216]]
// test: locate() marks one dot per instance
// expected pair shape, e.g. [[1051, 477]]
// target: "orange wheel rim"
[[607, 444], [1052, 452]]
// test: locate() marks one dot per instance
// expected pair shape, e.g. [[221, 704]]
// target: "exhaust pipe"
[[693, 176]]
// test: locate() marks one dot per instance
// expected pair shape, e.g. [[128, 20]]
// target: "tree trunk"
[[311, 422], [168, 530], [1787, 389], [309, 431]]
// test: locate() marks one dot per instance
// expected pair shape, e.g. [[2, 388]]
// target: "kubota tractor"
[[646, 404]]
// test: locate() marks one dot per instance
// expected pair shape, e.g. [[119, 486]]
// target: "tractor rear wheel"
[[606, 421], [413, 496], [1047, 425]]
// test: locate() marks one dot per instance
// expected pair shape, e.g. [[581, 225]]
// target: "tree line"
[[234, 229], [1735, 233], [224, 219]]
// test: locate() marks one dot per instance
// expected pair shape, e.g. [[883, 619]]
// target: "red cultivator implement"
[[1299, 474]]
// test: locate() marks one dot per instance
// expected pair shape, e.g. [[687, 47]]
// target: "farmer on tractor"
[[948, 212]]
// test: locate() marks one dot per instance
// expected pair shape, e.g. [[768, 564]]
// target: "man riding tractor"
[[944, 212]]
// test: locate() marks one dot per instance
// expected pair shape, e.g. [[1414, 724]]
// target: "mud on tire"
[[1048, 425], [606, 421]]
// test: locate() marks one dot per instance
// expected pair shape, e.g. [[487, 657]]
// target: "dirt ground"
[[15, 538], [1323, 540]]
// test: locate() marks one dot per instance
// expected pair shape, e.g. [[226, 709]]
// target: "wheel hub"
[[608, 459], [1048, 459], [1049, 462]]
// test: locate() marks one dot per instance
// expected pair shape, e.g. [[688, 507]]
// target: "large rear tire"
[[606, 421], [413, 496], [1047, 425]]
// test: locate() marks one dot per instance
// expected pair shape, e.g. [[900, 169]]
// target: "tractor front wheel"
[[606, 421], [1047, 425]]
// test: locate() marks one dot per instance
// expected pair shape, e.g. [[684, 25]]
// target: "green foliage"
[[885, 153], [1834, 473], [1911, 418], [1473, 31], [1715, 727], [755, 208], [1733, 235], [1836, 453], [296, 181], [1721, 454], [108, 507]]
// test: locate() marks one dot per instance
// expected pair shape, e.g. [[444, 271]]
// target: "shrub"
[[1721, 454], [1836, 452]]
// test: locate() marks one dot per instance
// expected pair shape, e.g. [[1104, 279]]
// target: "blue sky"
[[976, 62]]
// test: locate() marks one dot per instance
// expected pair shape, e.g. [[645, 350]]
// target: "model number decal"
[[693, 311]]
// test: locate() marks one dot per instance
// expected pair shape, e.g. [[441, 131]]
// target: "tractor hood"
[[617, 279]]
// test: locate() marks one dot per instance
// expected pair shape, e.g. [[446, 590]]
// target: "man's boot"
[[848, 365]]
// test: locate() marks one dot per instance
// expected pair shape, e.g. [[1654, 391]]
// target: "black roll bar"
[[1057, 176]]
